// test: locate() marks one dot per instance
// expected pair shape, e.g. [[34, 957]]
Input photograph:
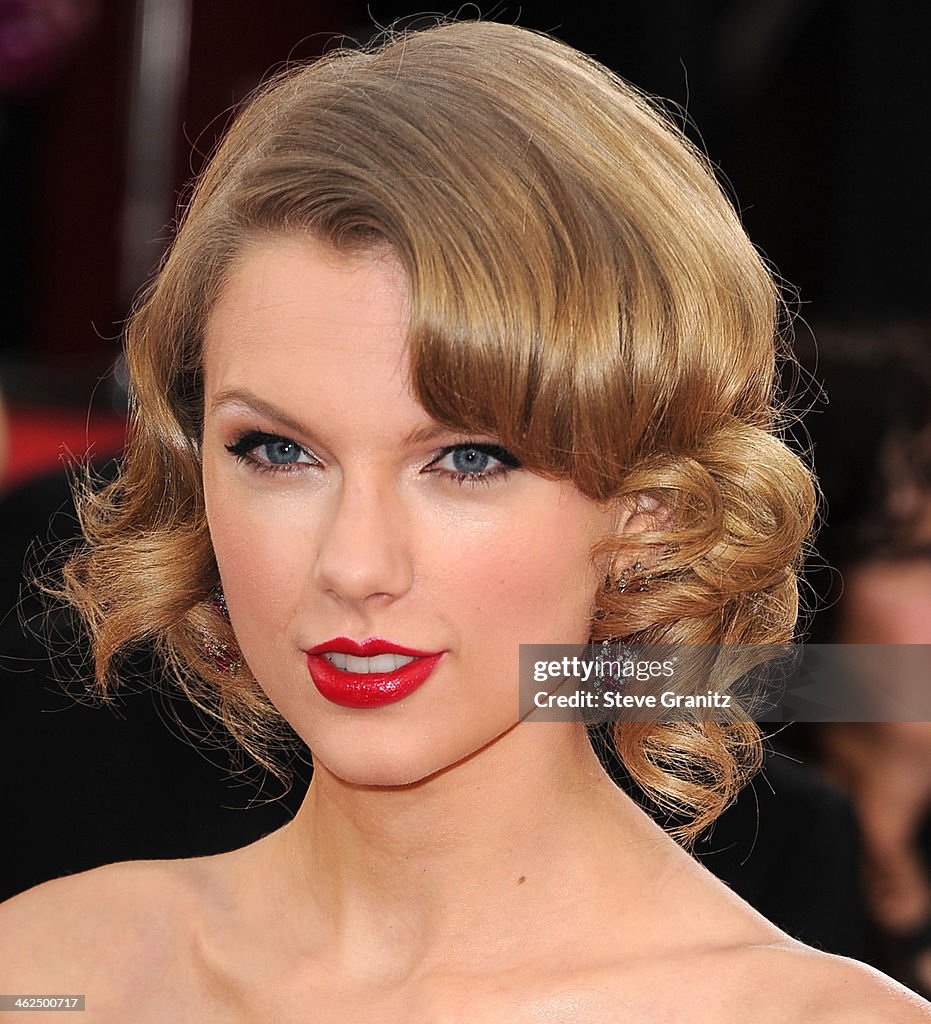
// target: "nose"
[[364, 552]]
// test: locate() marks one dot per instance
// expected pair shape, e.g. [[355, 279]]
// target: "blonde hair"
[[580, 288]]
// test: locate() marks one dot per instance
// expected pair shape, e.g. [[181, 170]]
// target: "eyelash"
[[246, 444]]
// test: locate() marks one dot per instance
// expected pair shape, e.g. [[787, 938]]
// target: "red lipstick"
[[353, 689]]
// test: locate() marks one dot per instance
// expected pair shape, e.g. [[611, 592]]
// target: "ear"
[[636, 516], [641, 513]]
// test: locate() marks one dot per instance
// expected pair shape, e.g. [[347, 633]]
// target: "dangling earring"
[[226, 659], [608, 652], [621, 583]]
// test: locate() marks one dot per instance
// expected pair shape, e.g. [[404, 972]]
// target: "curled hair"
[[580, 288]]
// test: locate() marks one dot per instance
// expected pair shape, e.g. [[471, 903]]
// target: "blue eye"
[[470, 460], [270, 451], [281, 453], [475, 463]]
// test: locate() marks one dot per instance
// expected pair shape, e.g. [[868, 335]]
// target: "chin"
[[376, 773], [393, 767]]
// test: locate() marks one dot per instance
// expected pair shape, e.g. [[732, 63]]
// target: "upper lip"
[[368, 648]]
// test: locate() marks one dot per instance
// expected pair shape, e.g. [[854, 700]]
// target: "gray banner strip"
[[42, 1003], [599, 683]]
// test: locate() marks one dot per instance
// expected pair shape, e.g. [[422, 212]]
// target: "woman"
[[457, 345]]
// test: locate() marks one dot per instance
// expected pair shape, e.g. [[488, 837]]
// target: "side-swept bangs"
[[580, 288]]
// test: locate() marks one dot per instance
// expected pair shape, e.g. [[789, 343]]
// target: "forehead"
[[319, 337], [297, 280], [293, 294]]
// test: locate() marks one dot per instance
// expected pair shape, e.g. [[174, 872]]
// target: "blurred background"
[[814, 113]]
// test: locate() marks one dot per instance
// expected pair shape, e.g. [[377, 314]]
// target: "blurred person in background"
[[872, 449]]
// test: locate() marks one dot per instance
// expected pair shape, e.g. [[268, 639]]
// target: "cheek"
[[535, 581], [262, 558]]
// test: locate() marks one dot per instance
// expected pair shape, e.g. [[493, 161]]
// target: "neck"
[[460, 865]]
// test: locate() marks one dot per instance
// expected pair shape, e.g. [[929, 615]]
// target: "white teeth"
[[380, 663]]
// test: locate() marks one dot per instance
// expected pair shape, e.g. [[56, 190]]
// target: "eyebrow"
[[421, 435], [244, 397]]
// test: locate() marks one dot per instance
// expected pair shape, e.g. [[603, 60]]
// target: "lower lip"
[[369, 690]]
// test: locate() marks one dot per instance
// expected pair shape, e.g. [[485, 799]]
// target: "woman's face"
[[339, 509]]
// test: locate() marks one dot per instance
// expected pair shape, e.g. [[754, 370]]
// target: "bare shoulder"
[[825, 989], [111, 929], [741, 967]]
